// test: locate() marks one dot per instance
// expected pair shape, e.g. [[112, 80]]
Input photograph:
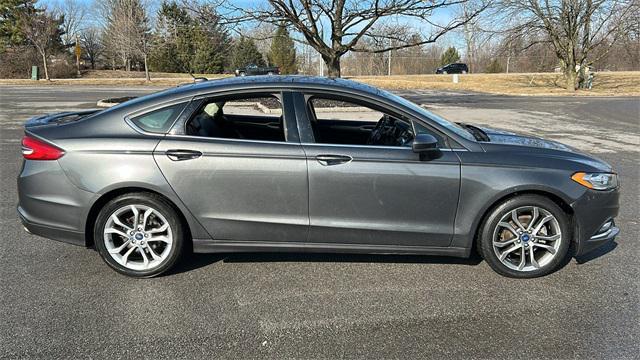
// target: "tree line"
[[214, 36], [183, 39]]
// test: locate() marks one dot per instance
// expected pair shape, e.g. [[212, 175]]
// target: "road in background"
[[59, 300]]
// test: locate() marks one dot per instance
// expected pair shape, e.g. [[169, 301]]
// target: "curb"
[[107, 103]]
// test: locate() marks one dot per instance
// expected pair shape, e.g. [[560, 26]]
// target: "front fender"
[[482, 188]]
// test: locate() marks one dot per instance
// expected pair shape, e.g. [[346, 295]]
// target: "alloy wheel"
[[138, 237], [527, 238]]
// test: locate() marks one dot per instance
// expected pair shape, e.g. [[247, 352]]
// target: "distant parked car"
[[457, 68], [254, 69]]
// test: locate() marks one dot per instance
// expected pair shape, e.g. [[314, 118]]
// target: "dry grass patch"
[[606, 83], [121, 74], [98, 82], [117, 78]]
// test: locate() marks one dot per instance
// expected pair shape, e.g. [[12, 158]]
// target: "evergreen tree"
[[11, 12], [246, 53], [172, 46], [450, 56], [283, 52], [189, 41]]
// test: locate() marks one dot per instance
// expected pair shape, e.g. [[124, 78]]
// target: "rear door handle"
[[180, 154], [328, 160]]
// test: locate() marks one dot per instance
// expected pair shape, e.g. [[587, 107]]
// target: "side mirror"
[[424, 142], [427, 146]]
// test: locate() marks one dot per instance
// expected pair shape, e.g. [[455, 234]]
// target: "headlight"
[[596, 181]]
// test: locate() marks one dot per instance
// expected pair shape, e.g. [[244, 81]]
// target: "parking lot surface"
[[62, 301]]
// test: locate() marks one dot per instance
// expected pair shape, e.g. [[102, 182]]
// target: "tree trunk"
[[44, 64], [146, 69], [570, 76], [333, 65]]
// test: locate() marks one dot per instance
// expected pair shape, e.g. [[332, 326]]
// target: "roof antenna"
[[198, 79]]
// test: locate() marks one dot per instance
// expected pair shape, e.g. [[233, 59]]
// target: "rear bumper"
[[592, 211], [49, 205], [64, 235]]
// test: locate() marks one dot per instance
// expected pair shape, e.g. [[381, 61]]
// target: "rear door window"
[[243, 117]]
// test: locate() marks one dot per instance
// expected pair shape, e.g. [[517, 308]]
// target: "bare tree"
[[476, 39], [42, 30], [91, 41], [631, 36], [335, 27], [73, 12], [580, 31], [126, 31]]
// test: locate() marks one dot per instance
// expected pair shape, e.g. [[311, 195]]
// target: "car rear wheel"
[[242, 73], [139, 235], [525, 237]]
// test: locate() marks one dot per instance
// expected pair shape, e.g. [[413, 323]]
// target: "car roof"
[[266, 82], [279, 81]]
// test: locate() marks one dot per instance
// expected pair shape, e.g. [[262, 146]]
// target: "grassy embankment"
[[605, 83]]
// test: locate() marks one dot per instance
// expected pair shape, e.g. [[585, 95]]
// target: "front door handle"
[[180, 154], [328, 160]]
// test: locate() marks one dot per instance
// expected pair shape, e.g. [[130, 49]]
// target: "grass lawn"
[[605, 83]]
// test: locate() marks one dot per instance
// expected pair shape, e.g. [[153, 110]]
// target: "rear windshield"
[[159, 121]]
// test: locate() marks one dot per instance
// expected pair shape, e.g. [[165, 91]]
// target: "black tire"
[[146, 199], [485, 241]]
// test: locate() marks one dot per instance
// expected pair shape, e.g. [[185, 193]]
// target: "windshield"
[[428, 114]]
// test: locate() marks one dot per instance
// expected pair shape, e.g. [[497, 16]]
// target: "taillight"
[[34, 149]]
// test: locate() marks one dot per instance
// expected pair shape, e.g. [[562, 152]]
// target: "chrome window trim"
[[178, 137], [206, 138], [373, 146]]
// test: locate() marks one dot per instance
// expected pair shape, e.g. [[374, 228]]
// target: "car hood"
[[536, 146], [510, 138]]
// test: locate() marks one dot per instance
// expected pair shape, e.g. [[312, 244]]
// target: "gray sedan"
[[306, 164]]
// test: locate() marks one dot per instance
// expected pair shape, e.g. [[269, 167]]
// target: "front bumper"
[[592, 211]]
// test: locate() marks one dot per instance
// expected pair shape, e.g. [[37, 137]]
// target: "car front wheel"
[[139, 235], [525, 237]]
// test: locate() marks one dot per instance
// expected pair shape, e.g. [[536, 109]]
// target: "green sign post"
[[35, 73]]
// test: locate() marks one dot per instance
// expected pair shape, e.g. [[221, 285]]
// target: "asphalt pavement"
[[62, 301]]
